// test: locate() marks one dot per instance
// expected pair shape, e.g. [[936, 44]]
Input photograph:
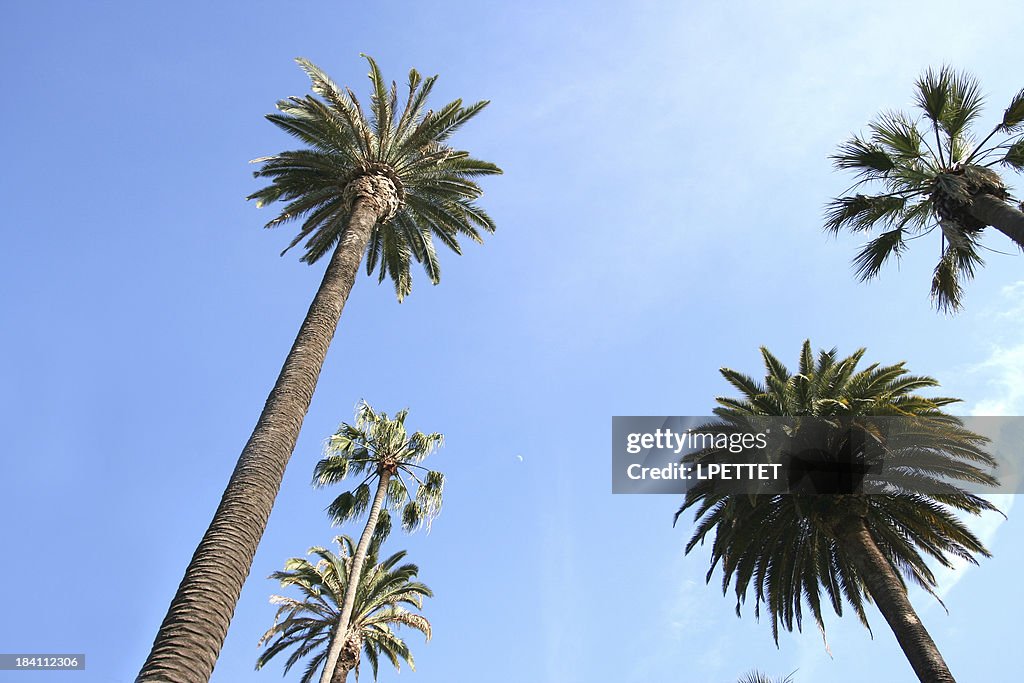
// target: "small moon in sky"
[[519, 458]]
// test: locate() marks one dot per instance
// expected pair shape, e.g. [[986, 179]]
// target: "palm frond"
[[860, 213], [869, 260], [947, 293], [1014, 157], [933, 93], [1013, 117], [866, 158], [349, 504], [964, 104], [898, 135]]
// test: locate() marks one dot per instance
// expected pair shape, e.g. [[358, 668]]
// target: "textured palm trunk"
[[340, 673], [347, 661], [890, 596], [192, 633], [1001, 215], [341, 631]]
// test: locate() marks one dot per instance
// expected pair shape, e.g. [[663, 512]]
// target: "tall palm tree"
[[306, 624], [859, 547], [930, 172], [382, 185], [385, 455]]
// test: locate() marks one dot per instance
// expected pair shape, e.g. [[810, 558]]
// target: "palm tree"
[[758, 677], [931, 173], [382, 186], [307, 624], [856, 546], [382, 452]]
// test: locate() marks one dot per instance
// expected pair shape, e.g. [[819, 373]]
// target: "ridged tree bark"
[[340, 673], [890, 596], [1001, 215], [193, 632], [348, 660], [338, 639]]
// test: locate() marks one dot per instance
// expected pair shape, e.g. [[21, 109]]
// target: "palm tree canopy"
[[785, 546], [425, 187], [758, 677], [928, 170], [374, 444], [385, 592]]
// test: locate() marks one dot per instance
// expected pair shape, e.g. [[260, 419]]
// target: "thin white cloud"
[[1014, 296], [1003, 370], [1001, 375], [985, 528]]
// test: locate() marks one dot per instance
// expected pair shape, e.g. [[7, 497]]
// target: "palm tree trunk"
[[341, 630], [348, 660], [890, 595], [340, 673], [1001, 215], [192, 633]]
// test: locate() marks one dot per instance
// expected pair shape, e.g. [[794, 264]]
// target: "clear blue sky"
[[665, 171]]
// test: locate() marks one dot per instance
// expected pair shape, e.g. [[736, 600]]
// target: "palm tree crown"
[[306, 624], [376, 445], [792, 548], [932, 173], [422, 187], [758, 677]]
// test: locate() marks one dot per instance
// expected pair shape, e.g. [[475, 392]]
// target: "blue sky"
[[659, 217]]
